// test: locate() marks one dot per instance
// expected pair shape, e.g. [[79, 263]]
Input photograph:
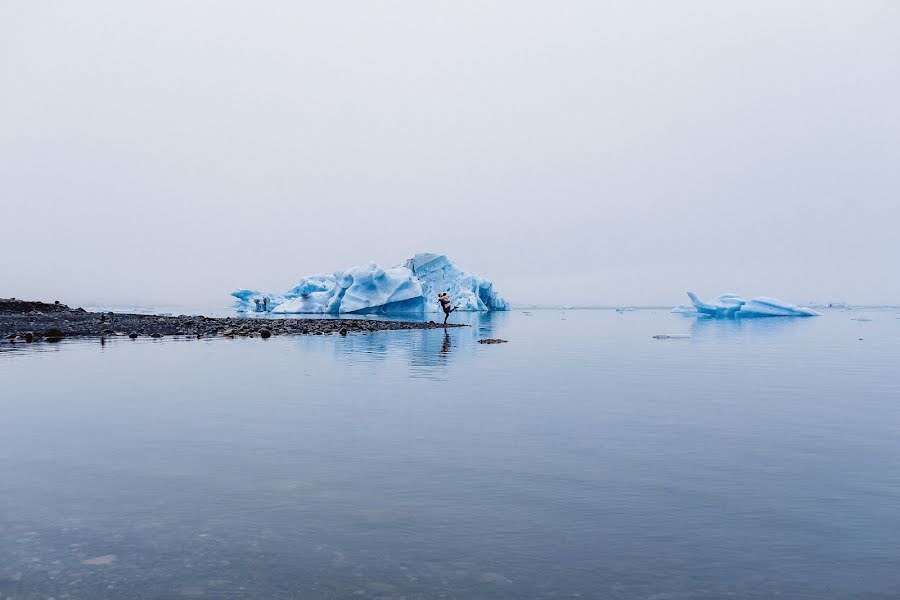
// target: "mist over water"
[[585, 153]]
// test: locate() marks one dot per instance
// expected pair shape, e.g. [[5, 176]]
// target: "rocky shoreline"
[[23, 321]]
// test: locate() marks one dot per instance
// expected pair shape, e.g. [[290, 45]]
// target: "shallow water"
[[584, 458]]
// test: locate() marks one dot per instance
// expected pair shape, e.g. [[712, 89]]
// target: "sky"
[[572, 152]]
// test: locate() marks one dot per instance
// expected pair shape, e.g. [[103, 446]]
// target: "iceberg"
[[437, 273], [732, 306], [408, 288]]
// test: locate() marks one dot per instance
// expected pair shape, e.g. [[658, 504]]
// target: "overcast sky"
[[572, 152]]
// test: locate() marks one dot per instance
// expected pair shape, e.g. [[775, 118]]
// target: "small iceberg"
[[408, 288], [732, 306]]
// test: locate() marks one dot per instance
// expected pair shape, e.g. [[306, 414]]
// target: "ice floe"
[[732, 306]]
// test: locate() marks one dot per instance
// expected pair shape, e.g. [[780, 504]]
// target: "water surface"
[[584, 458]]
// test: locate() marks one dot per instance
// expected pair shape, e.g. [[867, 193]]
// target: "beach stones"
[[265, 333], [492, 341]]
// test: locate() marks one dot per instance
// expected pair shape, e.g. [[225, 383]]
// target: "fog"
[[572, 152]]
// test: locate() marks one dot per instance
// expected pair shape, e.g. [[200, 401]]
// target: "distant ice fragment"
[[732, 306], [684, 309], [671, 336], [408, 288]]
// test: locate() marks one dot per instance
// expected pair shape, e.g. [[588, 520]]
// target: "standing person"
[[444, 300]]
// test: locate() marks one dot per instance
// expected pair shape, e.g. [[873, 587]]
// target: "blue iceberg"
[[732, 306], [408, 288], [437, 273]]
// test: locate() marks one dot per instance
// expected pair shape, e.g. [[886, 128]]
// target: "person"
[[444, 300], [258, 306], [265, 305]]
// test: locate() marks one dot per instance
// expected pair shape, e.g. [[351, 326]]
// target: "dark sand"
[[23, 321]]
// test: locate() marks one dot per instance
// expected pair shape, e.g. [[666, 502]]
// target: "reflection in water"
[[736, 328], [426, 352], [445, 347]]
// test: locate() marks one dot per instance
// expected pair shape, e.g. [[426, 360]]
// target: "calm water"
[[756, 459]]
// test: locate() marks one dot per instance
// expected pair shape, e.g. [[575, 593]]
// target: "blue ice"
[[732, 306], [408, 288]]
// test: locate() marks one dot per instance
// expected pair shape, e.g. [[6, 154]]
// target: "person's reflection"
[[445, 347]]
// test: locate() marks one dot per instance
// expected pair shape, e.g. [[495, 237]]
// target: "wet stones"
[[492, 341], [52, 322]]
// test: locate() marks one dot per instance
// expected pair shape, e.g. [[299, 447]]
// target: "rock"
[[54, 335], [108, 331], [492, 341], [29, 336], [228, 332], [156, 335], [265, 333], [343, 331], [133, 334]]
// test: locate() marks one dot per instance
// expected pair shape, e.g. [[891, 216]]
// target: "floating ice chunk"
[[772, 307], [722, 307], [671, 336], [684, 309], [411, 288], [728, 306]]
